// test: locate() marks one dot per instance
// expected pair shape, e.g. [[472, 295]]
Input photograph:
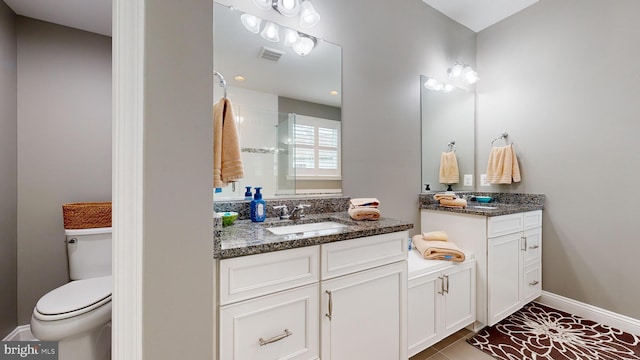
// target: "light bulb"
[[288, 7], [448, 88], [308, 15], [271, 32], [471, 77], [303, 46], [432, 84], [456, 70], [252, 23], [290, 37]]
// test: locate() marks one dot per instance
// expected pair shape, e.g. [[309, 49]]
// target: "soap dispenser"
[[258, 207], [247, 194]]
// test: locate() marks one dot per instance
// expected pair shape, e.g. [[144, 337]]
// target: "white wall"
[[8, 169], [562, 78], [64, 145]]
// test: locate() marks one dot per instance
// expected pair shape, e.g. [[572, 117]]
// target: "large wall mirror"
[[287, 107], [447, 117]]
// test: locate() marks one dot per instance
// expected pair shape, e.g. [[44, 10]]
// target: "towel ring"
[[223, 82], [502, 137], [452, 145]]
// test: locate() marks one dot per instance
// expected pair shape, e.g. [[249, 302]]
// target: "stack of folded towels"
[[364, 209], [435, 245], [449, 199]]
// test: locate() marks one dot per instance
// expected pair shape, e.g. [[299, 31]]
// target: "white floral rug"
[[539, 332]]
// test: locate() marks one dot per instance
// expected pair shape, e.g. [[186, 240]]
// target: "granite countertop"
[[246, 238], [502, 203]]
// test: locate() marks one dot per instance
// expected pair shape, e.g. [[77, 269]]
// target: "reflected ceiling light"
[[309, 17], [463, 72], [239, 78], [252, 23], [304, 45], [287, 7], [433, 84], [263, 4], [448, 88], [290, 37], [333, 93], [271, 32]]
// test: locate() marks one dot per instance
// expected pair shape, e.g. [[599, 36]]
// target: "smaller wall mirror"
[[275, 92], [447, 117]]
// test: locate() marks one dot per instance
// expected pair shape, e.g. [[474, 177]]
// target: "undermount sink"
[[483, 207], [317, 227]]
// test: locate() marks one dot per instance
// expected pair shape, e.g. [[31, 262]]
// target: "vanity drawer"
[[345, 257], [532, 286], [250, 276], [533, 245], [505, 224], [279, 326]]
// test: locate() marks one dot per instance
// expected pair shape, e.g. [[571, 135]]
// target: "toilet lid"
[[75, 298]]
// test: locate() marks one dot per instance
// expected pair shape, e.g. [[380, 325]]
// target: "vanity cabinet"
[[508, 251], [441, 300], [340, 300], [514, 263]]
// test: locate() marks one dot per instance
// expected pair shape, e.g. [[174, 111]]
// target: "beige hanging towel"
[[449, 168], [227, 162], [503, 165]]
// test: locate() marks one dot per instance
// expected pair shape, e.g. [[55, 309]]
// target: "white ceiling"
[[89, 15], [479, 14]]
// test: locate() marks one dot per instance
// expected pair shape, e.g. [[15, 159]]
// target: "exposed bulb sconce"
[[271, 32], [252, 23], [309, 17], [464, 72]]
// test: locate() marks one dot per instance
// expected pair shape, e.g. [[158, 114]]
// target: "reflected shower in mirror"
[[270, 83], [447, 117]]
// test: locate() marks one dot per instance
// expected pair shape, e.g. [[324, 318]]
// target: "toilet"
[[78, 314]]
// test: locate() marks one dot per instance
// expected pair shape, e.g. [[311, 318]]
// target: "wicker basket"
[[87, 215]]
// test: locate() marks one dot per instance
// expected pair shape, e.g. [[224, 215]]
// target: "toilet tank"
[[89, 252]]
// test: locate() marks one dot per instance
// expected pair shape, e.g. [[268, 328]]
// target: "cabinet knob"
[[534, 283]]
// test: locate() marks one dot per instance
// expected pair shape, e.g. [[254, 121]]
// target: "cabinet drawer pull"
[[441, 292], [534, 247], [446, 289], [534, 283], [264, 342], [330, 314]]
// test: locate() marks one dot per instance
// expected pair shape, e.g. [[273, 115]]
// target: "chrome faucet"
[[298, 212], [283, 213]]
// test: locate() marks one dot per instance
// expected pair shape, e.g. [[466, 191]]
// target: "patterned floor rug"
[[539, 332]]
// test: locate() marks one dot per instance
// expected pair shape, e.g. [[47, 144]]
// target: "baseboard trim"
[[606, 317], [20, 333]]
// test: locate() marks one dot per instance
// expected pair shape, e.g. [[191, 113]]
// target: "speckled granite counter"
[[504, 203], [246, 238]]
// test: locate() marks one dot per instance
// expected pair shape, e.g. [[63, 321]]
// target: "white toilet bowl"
[[78, 316]]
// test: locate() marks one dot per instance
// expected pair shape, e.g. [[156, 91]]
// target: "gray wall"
[[562, 78], [8, 169], [178, 267], [64, 145]]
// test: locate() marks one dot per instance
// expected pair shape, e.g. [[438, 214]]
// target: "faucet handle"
[[284, 211], [302, 206]]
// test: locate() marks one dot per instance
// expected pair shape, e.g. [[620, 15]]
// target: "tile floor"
[[455, 347]]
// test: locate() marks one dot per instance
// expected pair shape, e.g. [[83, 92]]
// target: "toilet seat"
[[74, 298]]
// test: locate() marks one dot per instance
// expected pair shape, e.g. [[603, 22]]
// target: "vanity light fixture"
[[309, 17], [447, 88], [271, 32], [287, 7], [304, 45], [290, 37], [252, 23], [433, 84]]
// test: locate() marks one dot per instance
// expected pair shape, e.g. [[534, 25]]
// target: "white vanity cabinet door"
[[363, 315], [504, 274], [286, 322], [459, 297], [423, 316]]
